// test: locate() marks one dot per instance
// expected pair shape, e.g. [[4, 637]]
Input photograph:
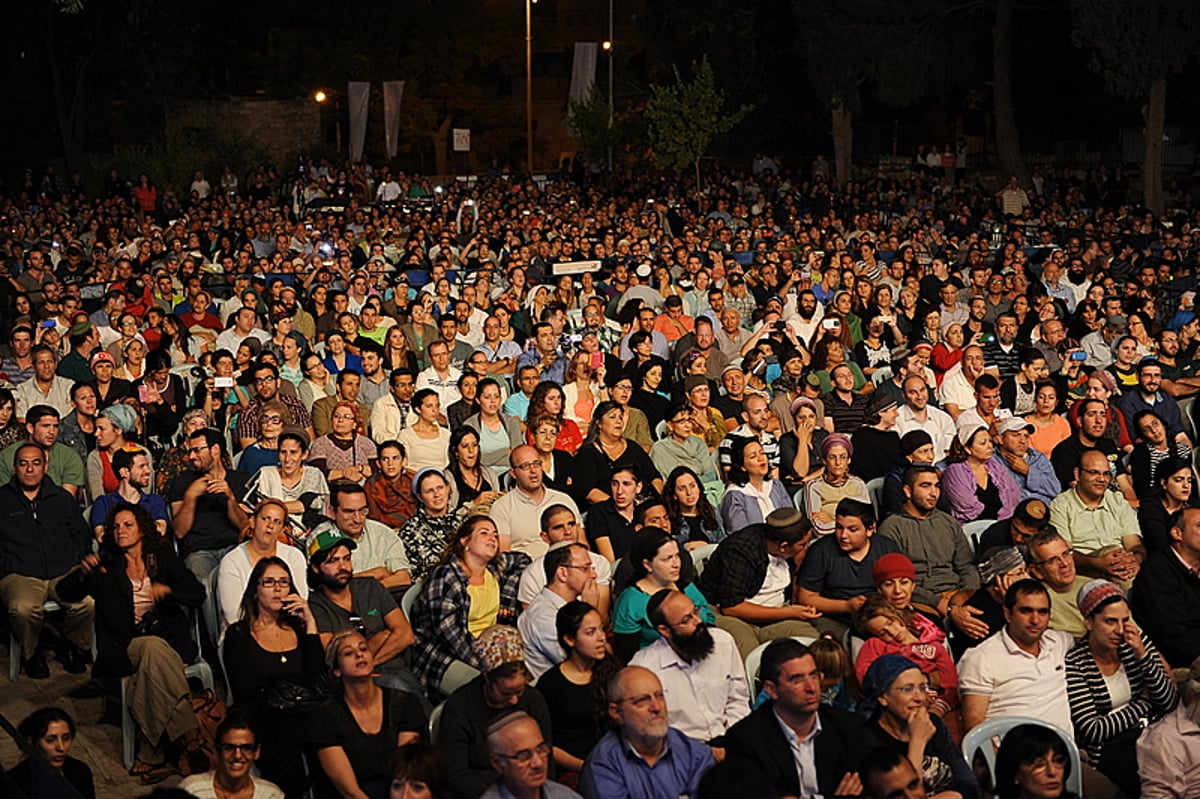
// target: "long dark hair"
[[601, 410], [455, 549], [456, 438], [537, 401], [566, 623], [708, 514], [645, 547], [37, 723], [151, 540], [248, 610]]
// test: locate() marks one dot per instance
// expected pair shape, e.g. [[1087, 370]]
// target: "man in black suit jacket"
[[829, 738]]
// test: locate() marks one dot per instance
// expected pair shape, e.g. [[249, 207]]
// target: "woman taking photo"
[[344, 453], [1032, 764], [1117, 683], [901, 720], [143, 593], [752, 494], [978, 486], [605, 447], [688, 506], [274, 644], [498, 433], [50, 731], [574, 689], [472, 588], [427, 442], [548, 400], [656, 565], [356, 732], [1175, 490], [471, 484]]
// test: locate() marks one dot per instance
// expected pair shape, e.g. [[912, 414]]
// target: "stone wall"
[[284, 127]]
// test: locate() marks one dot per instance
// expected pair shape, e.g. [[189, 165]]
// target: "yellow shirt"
[[485, 604]]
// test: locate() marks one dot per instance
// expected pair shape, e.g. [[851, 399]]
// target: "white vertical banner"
[[393, 90], [583, 71], [462, 140], [358, 101]]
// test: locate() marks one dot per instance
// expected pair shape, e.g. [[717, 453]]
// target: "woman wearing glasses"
[[275, 640], [344, 453], [273, 417], [900, 719]]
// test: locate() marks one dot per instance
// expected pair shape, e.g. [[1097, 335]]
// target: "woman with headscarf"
[[835, 483], [116, 427], [899, 694]]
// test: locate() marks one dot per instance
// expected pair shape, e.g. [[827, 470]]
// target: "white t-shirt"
[[201, 786], [773, 593]]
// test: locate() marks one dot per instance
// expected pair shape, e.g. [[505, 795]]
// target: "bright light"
[[320, 97], [606, 46]]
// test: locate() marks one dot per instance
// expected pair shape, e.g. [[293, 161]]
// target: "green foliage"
[[1131, 43], [588, 123], [172, 164], [685, 117]]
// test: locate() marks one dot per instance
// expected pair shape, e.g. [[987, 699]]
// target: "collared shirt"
[[446, 387], [59, 396], [538, 633], [937, 424], [533, 579], [1016, 682], [503, 349], [550, 790], [377, 546], [804, 753], [614, 770], [704, 698], [1090, 529]]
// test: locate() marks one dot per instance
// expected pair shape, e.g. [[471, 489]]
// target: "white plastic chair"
[[410, 598], [435, 722], [754, 659], [700, 556], [980, 738], [974, 531], [875, 490], [14, 645]]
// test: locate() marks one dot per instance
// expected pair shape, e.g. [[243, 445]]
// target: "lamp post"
[[529, 84], [608, 47]]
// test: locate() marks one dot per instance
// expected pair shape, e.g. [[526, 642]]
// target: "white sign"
[[462, 140], [575, 267]]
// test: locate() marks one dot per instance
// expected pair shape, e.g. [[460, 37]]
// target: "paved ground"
[[98, 744]]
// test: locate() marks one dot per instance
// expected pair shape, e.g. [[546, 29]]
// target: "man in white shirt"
[[45, 387], [1019, 671], [440, 376], [570, 575], [243, 328], [917, 414], [518, 513], [378, 551], [957, 393], [561, 525], [702, 674]]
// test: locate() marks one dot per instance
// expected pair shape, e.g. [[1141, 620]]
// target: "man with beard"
[[1149, 396], [808, 313], [339, 600], [1093, 423], [703, 678], [1178, 371], [132, 468]]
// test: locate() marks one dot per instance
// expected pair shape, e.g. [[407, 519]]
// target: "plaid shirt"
[[736, 571], [248, 427], [439, 616]]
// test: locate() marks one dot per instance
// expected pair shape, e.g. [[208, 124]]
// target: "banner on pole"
[[462, 140], [393, 91], [358, 101]]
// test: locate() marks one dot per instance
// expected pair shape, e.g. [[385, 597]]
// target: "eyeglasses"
[[1042, 764], [924, 688], [268, 379], [354, 511], [643, 700], [1096, 472], [1060, 558], [272, 420], [528, 465], [245, 749], [587, 568], [275, 582], [526, 756]]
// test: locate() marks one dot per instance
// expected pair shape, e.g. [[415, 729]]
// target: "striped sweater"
[[1092, 714]]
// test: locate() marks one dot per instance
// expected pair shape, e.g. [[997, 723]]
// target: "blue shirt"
[[556, 372], [615, 771], [151, 503]]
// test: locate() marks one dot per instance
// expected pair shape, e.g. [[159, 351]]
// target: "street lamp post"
[[321, 97], [611, 45], [529, 84]]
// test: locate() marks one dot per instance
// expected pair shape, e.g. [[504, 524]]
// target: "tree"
[[847, 43], [1135, 45], [684, 118], [589, 124], [1008, 140]]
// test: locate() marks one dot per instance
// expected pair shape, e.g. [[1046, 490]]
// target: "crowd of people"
[[615, 487]]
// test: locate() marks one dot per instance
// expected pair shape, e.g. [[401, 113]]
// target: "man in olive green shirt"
[[1052, 561]]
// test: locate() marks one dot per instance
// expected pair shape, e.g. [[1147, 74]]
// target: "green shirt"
[[65, 467]]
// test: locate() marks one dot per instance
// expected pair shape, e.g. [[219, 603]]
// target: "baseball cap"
[[327, 540], [1013, 423]]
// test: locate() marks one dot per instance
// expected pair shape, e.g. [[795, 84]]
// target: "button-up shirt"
[[804, 753], [538, 633], [937, 424], [1090, 529], [519, 516], [614, 769], [704, 698]]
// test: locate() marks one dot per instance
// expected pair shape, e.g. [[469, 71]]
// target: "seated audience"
[[751, 494], [238, 750], [50, 732], [835, 483]]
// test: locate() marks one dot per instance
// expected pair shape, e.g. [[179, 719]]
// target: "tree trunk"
[[441, 155], [1008, 142], [843, 139], [1154, 116]]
